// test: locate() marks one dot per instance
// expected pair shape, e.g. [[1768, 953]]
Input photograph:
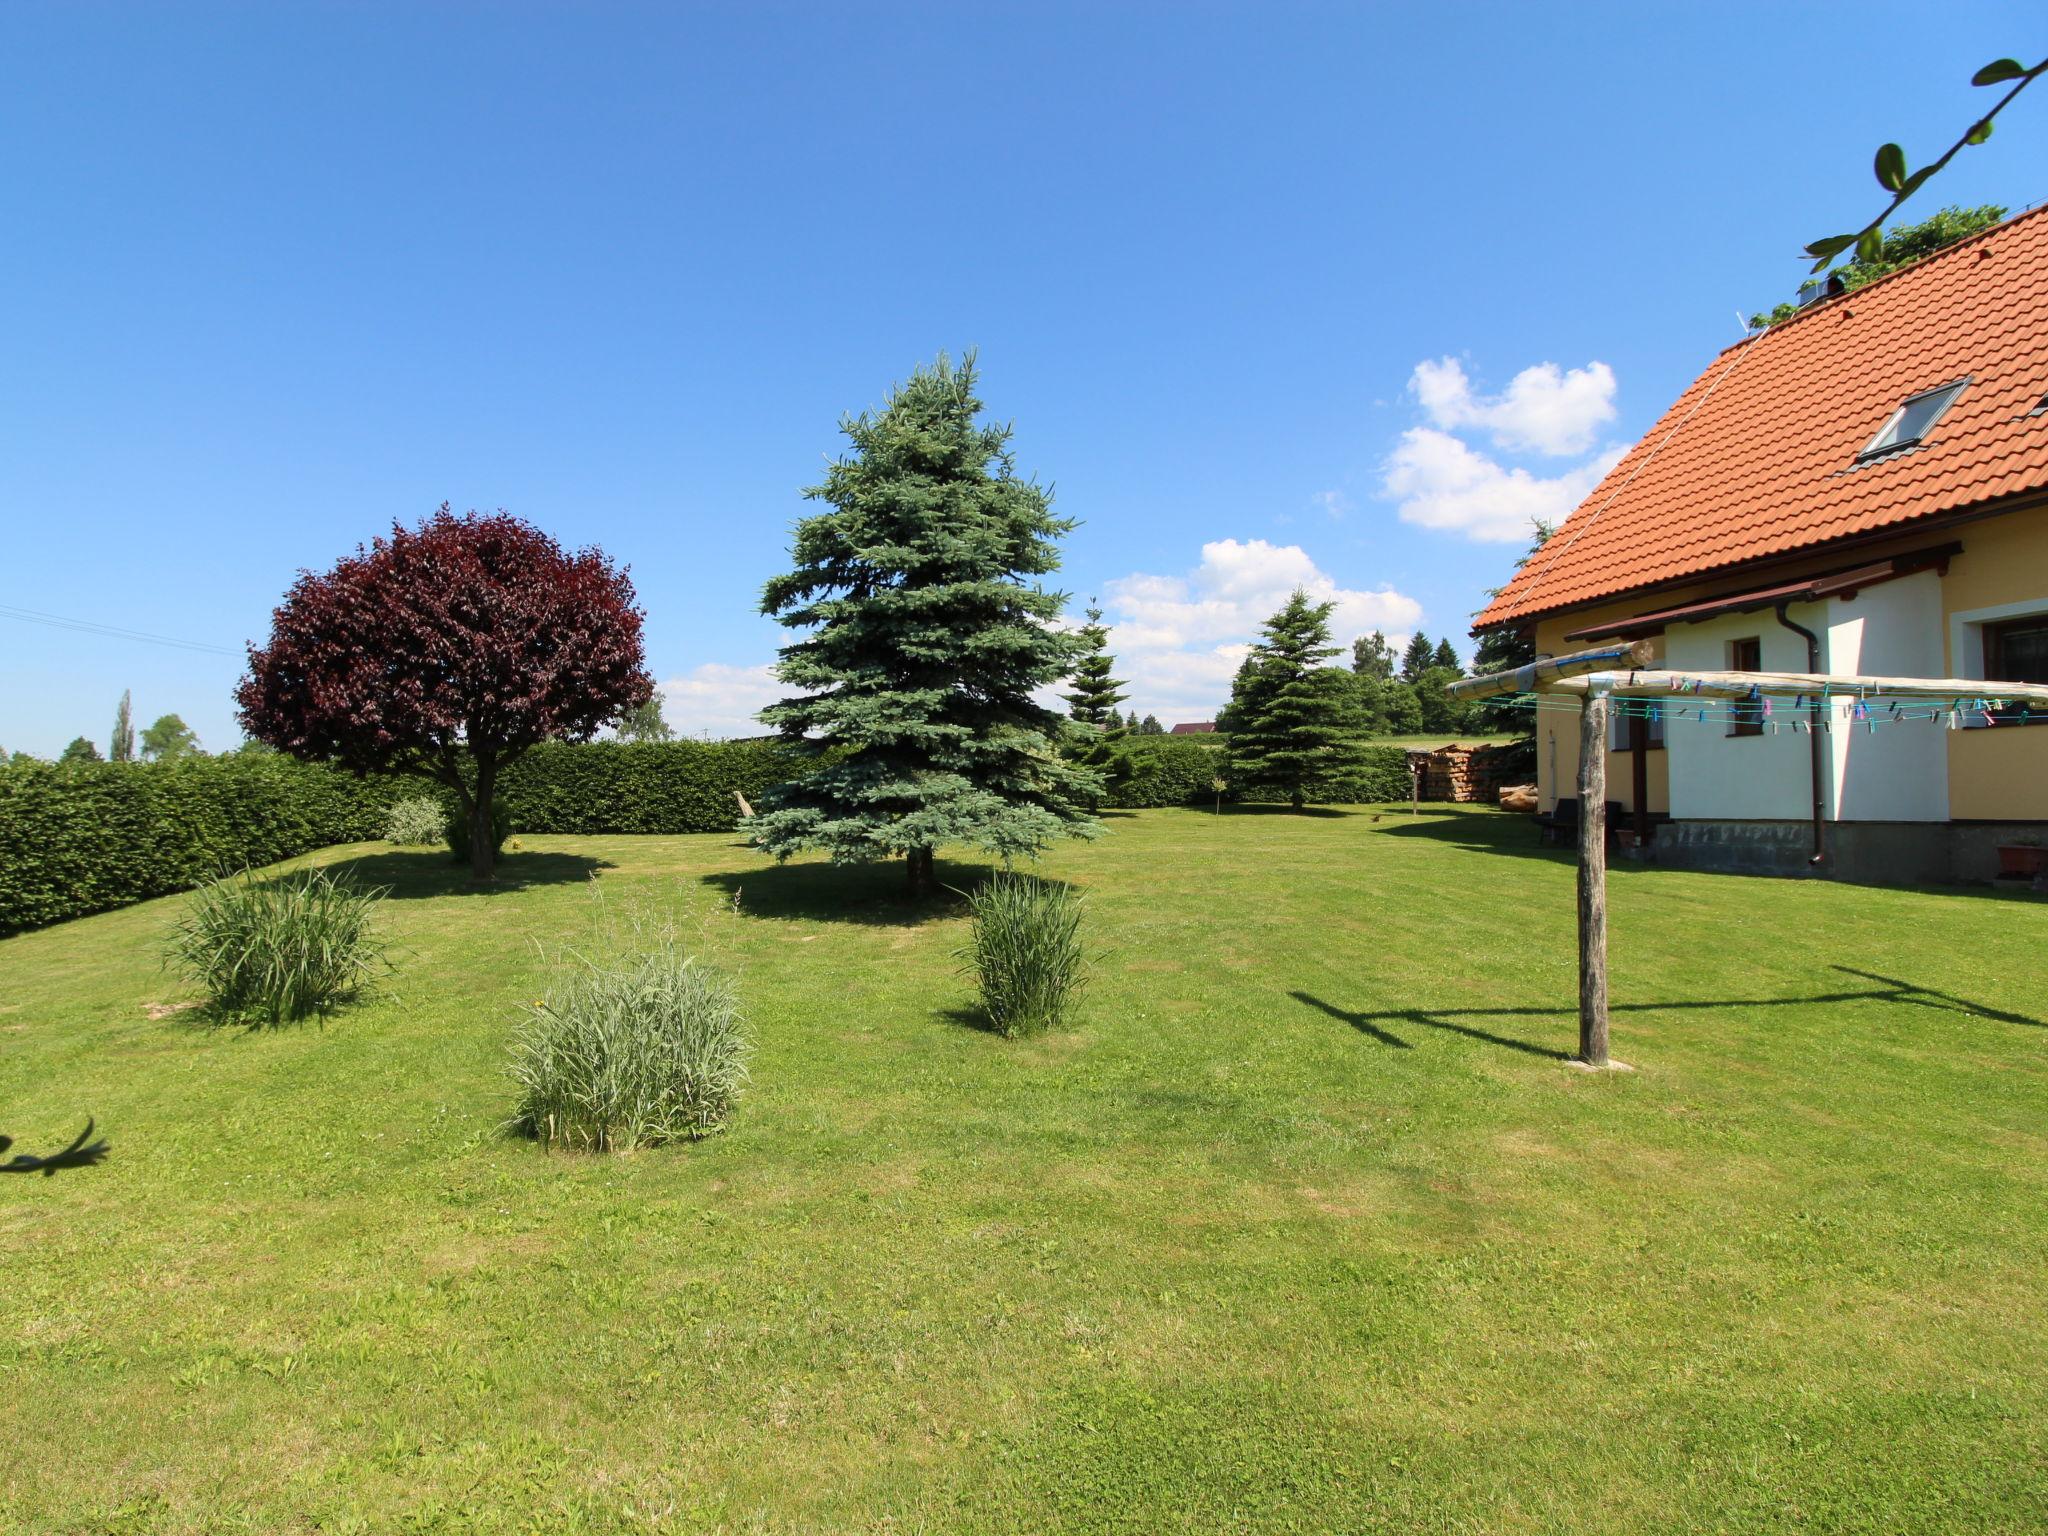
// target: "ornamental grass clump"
[[277, 951], [1025, 951], [418, 822], [635, 1045]]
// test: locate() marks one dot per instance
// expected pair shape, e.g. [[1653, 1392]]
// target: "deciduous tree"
[[122, 748], [644, 722], [446, 651], [168, 738], [927, 635]]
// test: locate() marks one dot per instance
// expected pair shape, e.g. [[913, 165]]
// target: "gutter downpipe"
[[1813, 734]]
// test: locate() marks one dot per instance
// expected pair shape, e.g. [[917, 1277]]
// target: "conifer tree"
[[1096, 694], [1418, 658], [1299, 730], [1092, 708], [80, 750], [1444, 656], [122, 748], [927, 637], [1151, 727]]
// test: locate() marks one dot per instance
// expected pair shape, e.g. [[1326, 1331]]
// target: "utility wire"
[[88, 627]]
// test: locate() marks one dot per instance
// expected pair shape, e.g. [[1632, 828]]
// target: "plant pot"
[[2021, 861]]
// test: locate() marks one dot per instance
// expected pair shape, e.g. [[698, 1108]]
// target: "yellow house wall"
[[1995, 775]]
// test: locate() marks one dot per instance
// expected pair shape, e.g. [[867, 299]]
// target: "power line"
[[88, 627]]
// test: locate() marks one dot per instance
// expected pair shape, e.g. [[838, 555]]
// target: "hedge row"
[[667, 787], [83, 837], [1182, 770]]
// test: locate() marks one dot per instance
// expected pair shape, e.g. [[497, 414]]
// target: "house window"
[[1745, 718], [2016, 651], [1621, 735], [1911, 422]]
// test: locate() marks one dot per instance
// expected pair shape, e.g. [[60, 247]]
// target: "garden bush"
[[635, 1045], [419, 822], [275, 951], [82, 837], [1025, 951]]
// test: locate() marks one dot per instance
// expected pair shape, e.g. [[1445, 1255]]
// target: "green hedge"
[[1182, 770], [671, 786], [83, 837], [1169, 770]]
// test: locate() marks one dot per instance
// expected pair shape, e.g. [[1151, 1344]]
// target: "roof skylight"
[[1911, 422]]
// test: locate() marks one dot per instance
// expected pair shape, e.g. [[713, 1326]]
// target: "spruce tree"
[[1092, 708], [1418, 658], [927, 637], [1444, 656], [1096, 694], [122, 748], [1151, 727], [1300, 731]]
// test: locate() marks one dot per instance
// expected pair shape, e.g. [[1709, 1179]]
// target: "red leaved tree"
[[446, 651]]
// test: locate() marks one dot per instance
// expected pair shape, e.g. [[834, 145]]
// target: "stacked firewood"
[[1463, 774]]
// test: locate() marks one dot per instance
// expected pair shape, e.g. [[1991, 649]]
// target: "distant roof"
[[1197, 728], [1759, 457]]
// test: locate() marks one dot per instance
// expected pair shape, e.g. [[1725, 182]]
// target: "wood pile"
[[1465, 775], [1519, 798]]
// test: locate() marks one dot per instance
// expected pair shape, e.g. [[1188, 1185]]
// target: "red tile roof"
[[1758, 457]]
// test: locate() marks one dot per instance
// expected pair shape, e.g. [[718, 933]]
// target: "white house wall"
[[1715, 776], [1895, 772]]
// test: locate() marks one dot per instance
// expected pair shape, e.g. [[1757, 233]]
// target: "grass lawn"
[[1305, 1227]]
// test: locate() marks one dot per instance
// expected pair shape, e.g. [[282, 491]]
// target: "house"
[[1194, 728], [1862, 489]]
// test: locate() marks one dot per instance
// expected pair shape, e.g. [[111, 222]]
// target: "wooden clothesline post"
[[1593, 880]]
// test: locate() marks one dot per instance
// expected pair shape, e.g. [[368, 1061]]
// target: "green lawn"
[[1305, 1227]]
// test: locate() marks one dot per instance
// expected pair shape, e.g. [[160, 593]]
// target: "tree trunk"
[[1593, 882], [483, 847], [917, 867]]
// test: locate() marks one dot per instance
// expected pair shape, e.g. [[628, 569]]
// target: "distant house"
[[1194, 728], [1862, 489]]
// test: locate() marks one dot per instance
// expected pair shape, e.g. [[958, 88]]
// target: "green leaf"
[[1997, 70], [1913, 182], [1831, 247], [1870, 244], [1978, 134], [1890, 167]]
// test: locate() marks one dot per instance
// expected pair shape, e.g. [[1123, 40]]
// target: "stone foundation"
[[1861, 852]]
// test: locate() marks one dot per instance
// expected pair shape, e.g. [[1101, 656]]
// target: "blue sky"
[[278, 275]]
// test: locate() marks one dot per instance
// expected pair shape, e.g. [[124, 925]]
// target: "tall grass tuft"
[[636, 1044], [1025, 951], [415, 823], [276, 951]]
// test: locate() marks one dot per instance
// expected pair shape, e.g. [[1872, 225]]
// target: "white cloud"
[[1442, 482], [1544, 409], [1179, 639], [719, 701], [1334, 503]]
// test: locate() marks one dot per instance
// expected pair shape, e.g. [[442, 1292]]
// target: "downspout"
[[1813, 733]]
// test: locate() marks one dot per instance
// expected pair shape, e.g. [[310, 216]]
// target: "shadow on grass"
[[414, 873], [1893, 990], [870, 894], [1324, 812]]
